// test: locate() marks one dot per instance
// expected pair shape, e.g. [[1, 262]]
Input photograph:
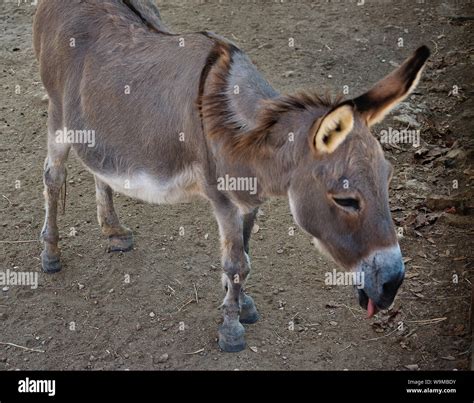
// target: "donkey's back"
[[108, 70]]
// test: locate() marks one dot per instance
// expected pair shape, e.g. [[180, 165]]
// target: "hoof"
[[249, 318], [231, 338], [248, 312], [50, 264], [122, 243]]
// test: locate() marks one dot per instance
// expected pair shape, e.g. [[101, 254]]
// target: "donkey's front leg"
[[236, 267], [120, 237]]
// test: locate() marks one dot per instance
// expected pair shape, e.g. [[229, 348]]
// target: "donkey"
[[173, 114]]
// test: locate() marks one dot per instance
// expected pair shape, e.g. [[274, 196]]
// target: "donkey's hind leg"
[[54, 177], [120, 237], [248, 311]]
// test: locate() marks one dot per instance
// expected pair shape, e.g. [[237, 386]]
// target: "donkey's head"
[[339, 190]]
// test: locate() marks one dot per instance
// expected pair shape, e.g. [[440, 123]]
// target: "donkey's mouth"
[[367, 303]]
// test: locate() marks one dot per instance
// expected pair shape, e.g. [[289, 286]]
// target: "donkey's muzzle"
[[383, 273]]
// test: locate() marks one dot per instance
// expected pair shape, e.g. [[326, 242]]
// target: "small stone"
[[412, 367], [81, 286], [449, 358], [288, 73], [163, 358], [329, 75], [138, 326], [407, 119], [5, 288], [152, 314], [254, 349], [333, 323], [111, 291], [280, 251]]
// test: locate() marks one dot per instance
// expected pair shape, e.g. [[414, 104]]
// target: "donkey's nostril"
[[393, 283]]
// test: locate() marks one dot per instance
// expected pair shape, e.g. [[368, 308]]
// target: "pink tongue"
[[371, 309]]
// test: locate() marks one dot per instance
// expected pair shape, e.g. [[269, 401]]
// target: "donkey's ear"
[[332, 129], [387, 93]]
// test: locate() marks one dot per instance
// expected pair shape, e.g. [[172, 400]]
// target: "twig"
[[381, 337], [5, 197], [352, 309], [196, 293], [30, 240], [427, 321], [345, 348], [196, 352], [186, 304], [23, 347], [436, 48]]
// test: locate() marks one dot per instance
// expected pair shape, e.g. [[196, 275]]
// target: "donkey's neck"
[[254, 132]]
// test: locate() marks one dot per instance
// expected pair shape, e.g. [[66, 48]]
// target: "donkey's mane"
[[220, 122]]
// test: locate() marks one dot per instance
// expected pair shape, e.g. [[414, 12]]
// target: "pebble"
[[333, 323], [407, 119], [163, 358], [152, 314], [5, 288]]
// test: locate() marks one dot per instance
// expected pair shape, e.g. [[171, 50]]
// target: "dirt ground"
[[89, 316]]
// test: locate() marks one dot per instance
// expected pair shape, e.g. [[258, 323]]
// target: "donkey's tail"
[[148, 12]]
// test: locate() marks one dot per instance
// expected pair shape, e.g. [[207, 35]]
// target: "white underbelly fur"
[[180, 188]]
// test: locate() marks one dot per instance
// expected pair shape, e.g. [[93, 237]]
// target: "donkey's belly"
[[179, 188]]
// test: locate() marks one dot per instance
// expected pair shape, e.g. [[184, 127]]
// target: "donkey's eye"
[[348, 203]]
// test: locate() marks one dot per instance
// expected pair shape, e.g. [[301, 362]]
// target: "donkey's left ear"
[[387, 93], [332, 129]]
